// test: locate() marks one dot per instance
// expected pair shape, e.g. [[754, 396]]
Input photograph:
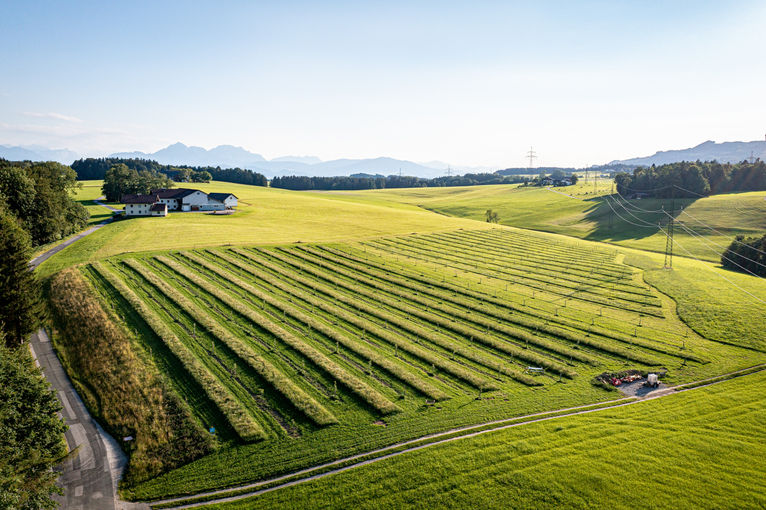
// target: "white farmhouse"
[[139, 205], [160, 201], [228, 200]]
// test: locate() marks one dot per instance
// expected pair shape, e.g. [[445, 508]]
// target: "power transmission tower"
[[449, 171], [669, 234], [531, 154]]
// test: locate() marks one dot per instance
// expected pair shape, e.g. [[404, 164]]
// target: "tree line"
[[692, 179], [96, 168], [35, 208], [359, 182]]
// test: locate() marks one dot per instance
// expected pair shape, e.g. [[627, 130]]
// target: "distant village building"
[[160, 201]]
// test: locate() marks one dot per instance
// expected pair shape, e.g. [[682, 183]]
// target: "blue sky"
[[471, 83]]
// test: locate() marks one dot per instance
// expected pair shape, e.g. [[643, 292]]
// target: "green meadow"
[[704, 229], [307, 327], [700, 449]]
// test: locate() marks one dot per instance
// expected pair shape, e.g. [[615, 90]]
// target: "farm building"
[[227, 199], [161, 201], [139, 205]]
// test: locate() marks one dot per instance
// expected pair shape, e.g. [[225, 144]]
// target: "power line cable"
[[724, 256], [717, 273], [683, 211]]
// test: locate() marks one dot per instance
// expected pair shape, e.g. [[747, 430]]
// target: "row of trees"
[[747, 255], [121, 180], [39, 196], [35, 208], [693, 179], [362, 181], [96, 168]]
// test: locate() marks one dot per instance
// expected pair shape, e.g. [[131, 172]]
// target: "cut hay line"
[[240, 420], [388, 318], [281, 383], [365, 392], [429, 286], [392, 368]]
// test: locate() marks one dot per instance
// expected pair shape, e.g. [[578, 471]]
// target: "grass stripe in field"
[[392, 368], [294, 394], [537, 319], [406, 345], [355, 303], [364, 391], [240, 420], [428, 316]]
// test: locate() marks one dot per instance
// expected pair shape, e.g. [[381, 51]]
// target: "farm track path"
[[90, 477], [494, 426]]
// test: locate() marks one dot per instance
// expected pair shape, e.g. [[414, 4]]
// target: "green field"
[[352, 345], [704, 229], [700, 449], [308, 327], [264, 216]]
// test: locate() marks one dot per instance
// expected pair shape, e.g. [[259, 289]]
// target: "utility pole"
[[611, 216], [531, 154]]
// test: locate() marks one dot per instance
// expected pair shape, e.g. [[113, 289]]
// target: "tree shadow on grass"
[[619, 219]]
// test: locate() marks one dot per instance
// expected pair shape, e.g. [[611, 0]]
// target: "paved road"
[[90, 478]]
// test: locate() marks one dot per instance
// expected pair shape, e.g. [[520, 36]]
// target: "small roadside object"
[[127, 438], [212, 430], [652, 381]]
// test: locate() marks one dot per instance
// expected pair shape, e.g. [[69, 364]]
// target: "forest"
[[96, 168], [366, 181], [692, 179]]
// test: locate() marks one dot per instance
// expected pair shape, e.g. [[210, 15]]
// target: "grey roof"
[[139, 199], [177, 193], [221, 196], [159, 207]]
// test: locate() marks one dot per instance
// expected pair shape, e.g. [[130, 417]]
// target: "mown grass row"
[[457, 308], [371, 311], [281, 383], [432, 318], [394, 250], [546, 267], [499, 327], [583, 290], [368, 394], [237, 416], [513, 312], [356, 346], [509, 246]]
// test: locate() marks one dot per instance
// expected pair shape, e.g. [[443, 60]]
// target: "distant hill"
[[309, 160], [180, 154], [227, 156], [37, 153], [726, 152]]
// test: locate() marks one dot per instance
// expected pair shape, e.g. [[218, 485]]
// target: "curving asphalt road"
[[90, 477]]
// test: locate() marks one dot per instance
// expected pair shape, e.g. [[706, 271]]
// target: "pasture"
[[700, 449], [704, 227], [299, 354], [264, 216]]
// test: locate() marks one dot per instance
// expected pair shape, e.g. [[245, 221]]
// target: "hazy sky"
[[473, 83]]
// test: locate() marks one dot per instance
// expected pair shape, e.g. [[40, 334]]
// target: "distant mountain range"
[[230, 156], [37, 153], [227, 156], [725, 152]]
